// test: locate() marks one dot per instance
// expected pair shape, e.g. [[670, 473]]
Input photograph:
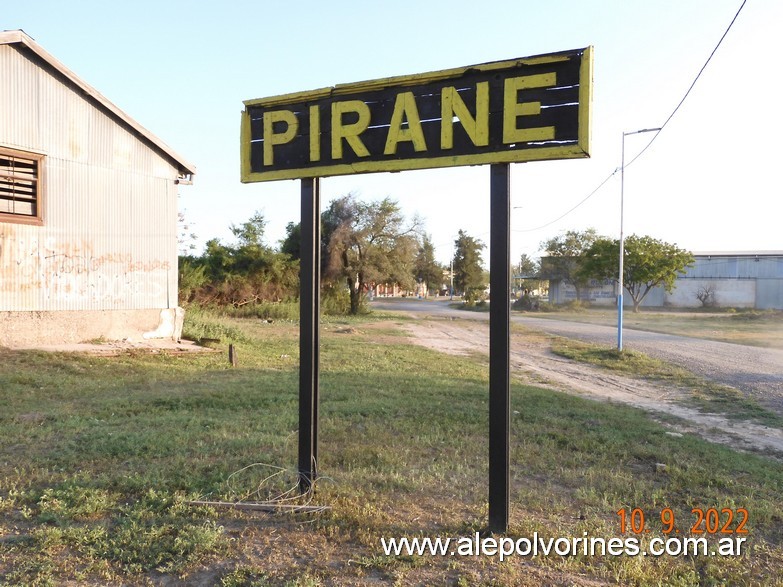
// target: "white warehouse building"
[[88, 209], [744, 279]]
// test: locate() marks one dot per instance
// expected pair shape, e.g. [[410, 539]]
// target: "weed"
[[74, 502], [100, 457], [744, 326], [201, 324], [706, 395], [244, 577]]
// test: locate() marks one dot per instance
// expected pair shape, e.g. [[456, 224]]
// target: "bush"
[[526, 303], [204, 323], [706, 295], [473, 295], [286, 311], [192, 278], [541, 305], [336, 301]]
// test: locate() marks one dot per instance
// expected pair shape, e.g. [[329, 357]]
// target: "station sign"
[[526, 109]]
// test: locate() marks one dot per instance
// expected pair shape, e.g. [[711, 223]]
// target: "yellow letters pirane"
[[349, 132], [512, 109], [271, 138], [477, 127], [405, 108], [315, 133]]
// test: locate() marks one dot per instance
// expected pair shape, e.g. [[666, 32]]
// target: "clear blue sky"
[[711, 180]]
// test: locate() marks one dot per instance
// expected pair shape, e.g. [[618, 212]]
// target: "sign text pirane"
[[524, 109]]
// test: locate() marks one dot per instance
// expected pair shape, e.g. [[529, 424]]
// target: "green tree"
[[242, 273], [527, 266], [291, 245], [647, 263], [425, 268], [467, 267], [526, 272], [565, 255], [367, 242], [251, 233]]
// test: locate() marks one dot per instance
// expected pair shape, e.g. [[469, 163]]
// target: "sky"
[[709, 182]]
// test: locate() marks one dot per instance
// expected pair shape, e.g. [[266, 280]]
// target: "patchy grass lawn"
[[762, 328], [704, 394], [100, 456]]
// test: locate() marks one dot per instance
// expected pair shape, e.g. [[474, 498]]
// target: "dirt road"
[[756, 372], [752, 370]]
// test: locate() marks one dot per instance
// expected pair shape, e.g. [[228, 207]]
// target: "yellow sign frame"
[[298, 114]]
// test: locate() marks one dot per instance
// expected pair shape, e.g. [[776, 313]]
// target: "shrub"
[[336, 301], [203, 323], [706, 295]]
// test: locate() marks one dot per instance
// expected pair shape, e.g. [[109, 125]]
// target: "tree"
[[527, 267], [526, 271], [468, 273], [565, 255], [186, 240], [706, 295], [244, 273], [425, 268], [291, 245], [367, 243], [647, 263], [251, 233]]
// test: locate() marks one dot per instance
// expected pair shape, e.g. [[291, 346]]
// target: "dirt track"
[[533, 362]]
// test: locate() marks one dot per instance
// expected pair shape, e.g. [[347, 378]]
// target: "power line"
[[590, 195], [654, 136], [703, 67]]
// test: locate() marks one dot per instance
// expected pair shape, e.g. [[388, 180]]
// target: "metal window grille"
[[19, 183]]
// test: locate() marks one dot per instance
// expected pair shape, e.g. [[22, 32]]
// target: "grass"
[[706, 395], [99, 457], [762, 328]]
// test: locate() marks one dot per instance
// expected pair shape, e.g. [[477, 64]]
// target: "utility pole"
[[622, 238]]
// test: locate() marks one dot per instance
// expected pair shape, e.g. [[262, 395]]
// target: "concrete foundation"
[[25, 329]]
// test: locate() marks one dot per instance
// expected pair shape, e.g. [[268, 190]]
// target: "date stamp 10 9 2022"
[[710, 521]]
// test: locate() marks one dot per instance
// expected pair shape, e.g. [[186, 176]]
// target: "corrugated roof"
[[738, 254], [21, 38]]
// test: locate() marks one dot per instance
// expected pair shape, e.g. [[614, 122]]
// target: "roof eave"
[[19, 37]]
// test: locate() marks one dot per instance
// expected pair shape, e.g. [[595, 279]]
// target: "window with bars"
[[20, 185]]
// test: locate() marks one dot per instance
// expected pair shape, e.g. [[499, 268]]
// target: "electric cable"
[[654, 136]]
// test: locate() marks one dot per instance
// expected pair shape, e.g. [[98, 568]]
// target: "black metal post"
[[499, 346], [309, 339]]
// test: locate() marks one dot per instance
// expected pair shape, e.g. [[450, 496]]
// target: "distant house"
[[88, 209], [743, 279]]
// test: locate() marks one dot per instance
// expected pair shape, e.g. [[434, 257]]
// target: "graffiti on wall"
[[77, 271]]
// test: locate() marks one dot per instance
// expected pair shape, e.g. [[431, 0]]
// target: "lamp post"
[[622, 238]]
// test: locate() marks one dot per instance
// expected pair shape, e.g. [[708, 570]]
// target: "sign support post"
[[525, 109], [499, 347], [309, 335]]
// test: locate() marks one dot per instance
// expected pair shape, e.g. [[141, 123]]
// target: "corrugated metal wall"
[[766, 271], [738, 267], [739, 280], [108, 240]]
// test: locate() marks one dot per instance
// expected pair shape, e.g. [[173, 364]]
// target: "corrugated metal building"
[[88, 208], [742, 279], [745, 279]]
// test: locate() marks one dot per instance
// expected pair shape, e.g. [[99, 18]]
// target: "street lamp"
[[622, 238]]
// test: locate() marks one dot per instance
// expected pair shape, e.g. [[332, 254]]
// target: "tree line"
[[364, 244], [579, 257]]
